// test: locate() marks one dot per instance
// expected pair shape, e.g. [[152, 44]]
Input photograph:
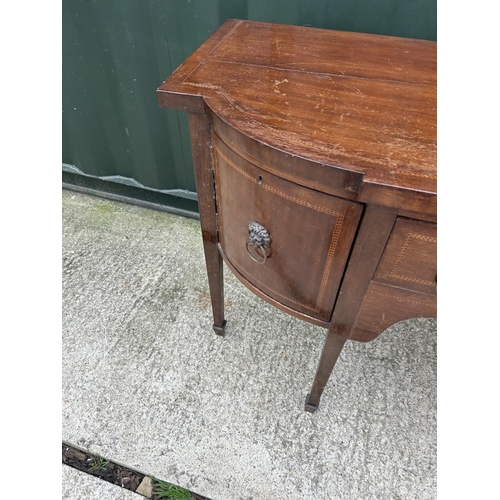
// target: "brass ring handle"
[[263, 261], [258, 237]]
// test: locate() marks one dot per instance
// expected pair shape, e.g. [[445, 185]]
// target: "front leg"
[[374, 231], [215, 268], [334, 343], [201, 145]]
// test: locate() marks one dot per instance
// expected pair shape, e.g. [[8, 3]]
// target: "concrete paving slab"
[[78, 485], [148, 384]]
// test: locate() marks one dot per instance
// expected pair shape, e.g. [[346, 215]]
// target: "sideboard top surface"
[[366, 103]]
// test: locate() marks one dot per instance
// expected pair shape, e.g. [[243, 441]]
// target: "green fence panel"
[[117, 52]]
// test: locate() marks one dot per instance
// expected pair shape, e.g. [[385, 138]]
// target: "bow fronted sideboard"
[[315, 163]]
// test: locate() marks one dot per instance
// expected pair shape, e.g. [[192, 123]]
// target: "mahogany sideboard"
[[315, 164]]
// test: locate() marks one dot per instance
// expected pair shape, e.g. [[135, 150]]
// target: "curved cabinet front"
[[289, 242]]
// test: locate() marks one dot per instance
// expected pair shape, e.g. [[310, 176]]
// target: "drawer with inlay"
[[410, 257], [288, 241]]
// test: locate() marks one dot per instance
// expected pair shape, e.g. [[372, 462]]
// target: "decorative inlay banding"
[[331, 250], [339, 219], [415, 174], [212, 52], [394, 274], [402, 299], [288, 197]]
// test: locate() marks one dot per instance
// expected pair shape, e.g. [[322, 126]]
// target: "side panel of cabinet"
[[311, 233]]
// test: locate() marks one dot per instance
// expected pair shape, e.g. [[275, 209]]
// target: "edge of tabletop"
[[416, 200], [171, 93]]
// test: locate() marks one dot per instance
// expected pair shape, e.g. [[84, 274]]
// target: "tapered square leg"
[[216, 284], [200, 132], [332, 348]]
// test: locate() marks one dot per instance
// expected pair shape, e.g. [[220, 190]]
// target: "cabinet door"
[[309, 234]]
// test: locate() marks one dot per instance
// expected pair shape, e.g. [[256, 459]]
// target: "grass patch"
[[99, 464], [167, 491]]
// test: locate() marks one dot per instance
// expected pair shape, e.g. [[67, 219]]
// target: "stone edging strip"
[[117, 474]]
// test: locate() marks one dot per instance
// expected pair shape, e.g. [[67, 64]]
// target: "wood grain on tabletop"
[[356, 101]]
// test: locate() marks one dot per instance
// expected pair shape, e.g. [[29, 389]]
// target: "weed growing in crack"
[[99, 464], [167, 491]]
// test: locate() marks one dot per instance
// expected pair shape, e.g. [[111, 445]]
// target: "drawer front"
[[303, 238], [410, 258]]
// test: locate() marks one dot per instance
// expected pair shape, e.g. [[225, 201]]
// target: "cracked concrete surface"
[[148, 384]]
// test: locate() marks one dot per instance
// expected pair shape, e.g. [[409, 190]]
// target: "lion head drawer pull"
[[260, 241]]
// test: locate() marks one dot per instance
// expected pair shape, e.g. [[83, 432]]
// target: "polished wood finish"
[[201, 146], [311, 227], [410, 258], [363, 103], [375, 228], [315, 161], [335, 181], [384, 305]]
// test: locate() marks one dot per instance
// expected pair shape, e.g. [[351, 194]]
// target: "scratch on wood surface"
[[275, 107], [303, 126], [381, 321], [357, 90], [276, 84]]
